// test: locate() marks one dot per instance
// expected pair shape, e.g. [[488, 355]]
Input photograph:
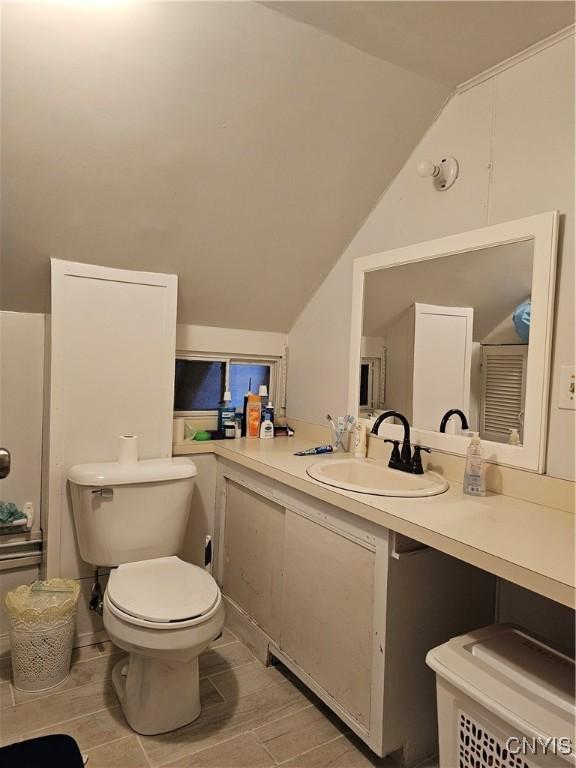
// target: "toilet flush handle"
[[105, 493]]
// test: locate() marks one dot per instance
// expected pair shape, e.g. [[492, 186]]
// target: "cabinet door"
[[328, 611], [253, 555]]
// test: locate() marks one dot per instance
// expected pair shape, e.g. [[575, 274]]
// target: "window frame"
[[375, 384], [276, 390]]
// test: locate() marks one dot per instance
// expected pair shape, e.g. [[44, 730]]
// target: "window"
[[371, 383], [246, 377], [365, 385], [200, 382], [199, 385]]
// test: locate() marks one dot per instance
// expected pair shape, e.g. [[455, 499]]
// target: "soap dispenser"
[[475, 470]]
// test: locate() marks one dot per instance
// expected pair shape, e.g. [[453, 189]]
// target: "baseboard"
[[246, 630], [90, 638], [4, 646]]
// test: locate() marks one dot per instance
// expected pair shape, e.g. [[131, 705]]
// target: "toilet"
[[160, 609]]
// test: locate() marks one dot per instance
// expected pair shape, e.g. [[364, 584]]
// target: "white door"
[[113, 339], [442, 363]]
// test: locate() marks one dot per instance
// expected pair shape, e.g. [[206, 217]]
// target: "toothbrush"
[[333, 429]]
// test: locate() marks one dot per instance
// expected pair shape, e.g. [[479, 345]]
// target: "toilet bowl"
[[164, 612], [160, 609]]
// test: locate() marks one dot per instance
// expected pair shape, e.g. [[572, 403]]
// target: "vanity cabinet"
[[253, 556], [327, 619], [348, 606]]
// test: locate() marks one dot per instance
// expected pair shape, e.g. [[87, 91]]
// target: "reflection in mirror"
[[450, 333]]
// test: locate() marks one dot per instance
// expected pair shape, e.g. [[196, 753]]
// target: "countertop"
[[528, 544]]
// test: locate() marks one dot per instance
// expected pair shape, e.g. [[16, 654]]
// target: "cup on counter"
[[189, 431]]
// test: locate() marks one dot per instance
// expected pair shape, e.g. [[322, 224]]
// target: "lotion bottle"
[[475, 471], [253, 416], [266, 428]]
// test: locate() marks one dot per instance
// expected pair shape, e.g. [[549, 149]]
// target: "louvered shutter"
[[503, 390]]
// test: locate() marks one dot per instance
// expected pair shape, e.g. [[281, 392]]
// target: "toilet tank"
[[129, 512]]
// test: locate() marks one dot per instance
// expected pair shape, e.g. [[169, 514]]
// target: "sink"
[[376, 478]]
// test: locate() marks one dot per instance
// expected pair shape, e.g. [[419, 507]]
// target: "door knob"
[[4, 463]]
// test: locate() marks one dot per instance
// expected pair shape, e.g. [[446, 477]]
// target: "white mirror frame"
[[543, 230]]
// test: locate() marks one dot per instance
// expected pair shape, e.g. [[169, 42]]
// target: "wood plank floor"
[[252, 717]]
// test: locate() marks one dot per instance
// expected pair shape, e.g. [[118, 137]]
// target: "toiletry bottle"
[[253, 414], [263, 395], [269, 409], [475, 471], [245, 408], [514, 438], [226, 412], [266, 428], [359, 439]]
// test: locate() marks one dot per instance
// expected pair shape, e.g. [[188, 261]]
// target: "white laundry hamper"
[[42, 620], [505, 700]]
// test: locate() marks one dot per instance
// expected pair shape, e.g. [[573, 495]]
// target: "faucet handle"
[[395, 455], [417, 467]]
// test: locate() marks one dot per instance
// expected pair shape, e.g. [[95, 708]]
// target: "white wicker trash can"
[[42, 619], [505, 700]]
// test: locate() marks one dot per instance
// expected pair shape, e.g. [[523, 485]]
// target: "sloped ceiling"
[[448, 41], [224, 142]]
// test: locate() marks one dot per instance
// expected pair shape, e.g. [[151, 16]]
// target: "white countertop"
[[528, 544]]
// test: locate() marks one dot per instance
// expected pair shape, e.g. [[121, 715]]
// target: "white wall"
[[551, 621], [513, 136], [21, 401], [229, 341], [21, 405], [202, 510]]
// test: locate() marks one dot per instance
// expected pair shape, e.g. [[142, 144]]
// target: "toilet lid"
[[165, 589]]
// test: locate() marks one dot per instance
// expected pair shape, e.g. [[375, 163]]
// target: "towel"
[[9, 512]]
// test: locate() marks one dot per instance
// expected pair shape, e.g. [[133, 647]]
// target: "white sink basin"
[[376, 478]]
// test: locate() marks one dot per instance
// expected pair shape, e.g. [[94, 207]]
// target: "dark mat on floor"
[[45, 752]]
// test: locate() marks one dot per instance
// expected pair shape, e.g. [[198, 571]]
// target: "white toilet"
[[162, 610]]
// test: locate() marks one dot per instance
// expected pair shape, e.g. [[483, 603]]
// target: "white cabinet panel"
[[253, 556], [328, 609]]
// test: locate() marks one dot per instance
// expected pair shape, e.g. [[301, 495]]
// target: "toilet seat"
[[163, 593]]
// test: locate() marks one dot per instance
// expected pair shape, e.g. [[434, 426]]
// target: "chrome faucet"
[[448, 415]]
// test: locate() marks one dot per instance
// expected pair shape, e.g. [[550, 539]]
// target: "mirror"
[[455, 335], [450, 334]]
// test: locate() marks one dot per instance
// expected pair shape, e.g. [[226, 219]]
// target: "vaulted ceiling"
[[448, 41], [225, 142]]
